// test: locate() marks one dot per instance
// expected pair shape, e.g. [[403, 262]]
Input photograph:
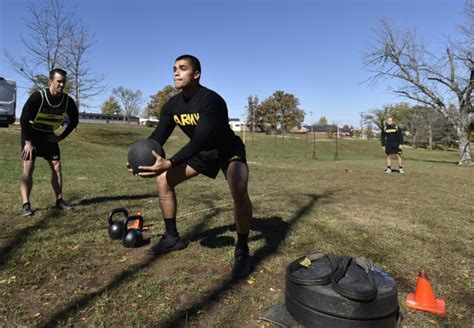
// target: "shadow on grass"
[[115, 283], [105, 199], [274, 230], [21, 236]]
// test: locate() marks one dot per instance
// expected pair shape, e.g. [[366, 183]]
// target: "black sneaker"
[[62, 205], [242, 264], [168, 243], [26, 210]]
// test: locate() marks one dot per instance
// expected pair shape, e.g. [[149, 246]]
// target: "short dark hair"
[[58, 71], [193, 60]]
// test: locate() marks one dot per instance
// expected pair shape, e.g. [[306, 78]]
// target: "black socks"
[[170, 225], [242, 239], [242, 242]]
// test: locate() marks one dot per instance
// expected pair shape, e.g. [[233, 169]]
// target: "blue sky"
[[312, 49]]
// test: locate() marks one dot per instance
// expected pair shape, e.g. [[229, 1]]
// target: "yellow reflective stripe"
[[54, 125], [47, 122], [51, 116], [41, 129], [41, 105]]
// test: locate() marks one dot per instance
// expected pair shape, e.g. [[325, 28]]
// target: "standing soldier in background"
[[392, 143], [44, 112]]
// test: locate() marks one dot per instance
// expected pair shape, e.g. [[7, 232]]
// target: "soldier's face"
[[57, 84], [183, 74]]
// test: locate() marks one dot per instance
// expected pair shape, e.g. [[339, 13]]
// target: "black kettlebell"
[[133, 237], [116, 228]]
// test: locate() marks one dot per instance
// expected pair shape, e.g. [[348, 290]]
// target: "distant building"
[[149, 121], [105, 118], [346, 131], [299, 130], [237, 125], [331, 129]]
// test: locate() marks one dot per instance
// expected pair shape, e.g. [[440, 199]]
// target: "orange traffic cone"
[[424, 298]]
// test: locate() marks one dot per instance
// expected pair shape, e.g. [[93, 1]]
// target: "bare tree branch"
[[427, 79], [56, 38]]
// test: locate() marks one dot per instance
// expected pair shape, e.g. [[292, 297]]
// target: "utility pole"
[[253, 123], [314, 144], [314, 136], [361, 124], [336, 155], [305, 144]]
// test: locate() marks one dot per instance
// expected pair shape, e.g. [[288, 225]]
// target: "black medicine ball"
[[140, 154]]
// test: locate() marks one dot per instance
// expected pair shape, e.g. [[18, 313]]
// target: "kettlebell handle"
[[133, 218], [115, 211]]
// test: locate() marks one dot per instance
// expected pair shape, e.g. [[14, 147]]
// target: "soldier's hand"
[[160, 166], [27, 154]]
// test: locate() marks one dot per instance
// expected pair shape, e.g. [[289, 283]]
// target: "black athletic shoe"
[[242, 266], [26, 210], [168, 243], [62, 205]]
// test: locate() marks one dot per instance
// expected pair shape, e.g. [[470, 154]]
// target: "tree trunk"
[[464, 137], [413, 141], [275, 150], [430, 136]]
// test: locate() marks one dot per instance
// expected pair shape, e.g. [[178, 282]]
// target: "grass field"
[[62, 269]]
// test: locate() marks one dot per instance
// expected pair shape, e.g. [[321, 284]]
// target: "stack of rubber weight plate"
[[323, 290]]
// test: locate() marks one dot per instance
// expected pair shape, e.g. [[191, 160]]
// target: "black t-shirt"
[[32, 106], [391, 134], [203, 118]]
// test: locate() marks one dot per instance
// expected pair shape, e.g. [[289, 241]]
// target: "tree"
[[423, 125], [153, 108], [379, 116], [322, 121], [279, 112], [252, 109], [111, 106], [131, 101], [443, 83], [56, 39], [86, 83]]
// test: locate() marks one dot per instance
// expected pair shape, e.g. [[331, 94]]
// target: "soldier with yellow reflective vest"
[[392, 143], [42, 114]]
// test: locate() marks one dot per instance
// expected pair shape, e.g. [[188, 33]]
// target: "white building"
[[149, 121], [237, 125]]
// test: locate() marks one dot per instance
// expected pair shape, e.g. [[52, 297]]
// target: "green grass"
[[62, 268]]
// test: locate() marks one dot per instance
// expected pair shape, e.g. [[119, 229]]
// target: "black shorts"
[[392, 149], [43, 148], [210, 162]]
